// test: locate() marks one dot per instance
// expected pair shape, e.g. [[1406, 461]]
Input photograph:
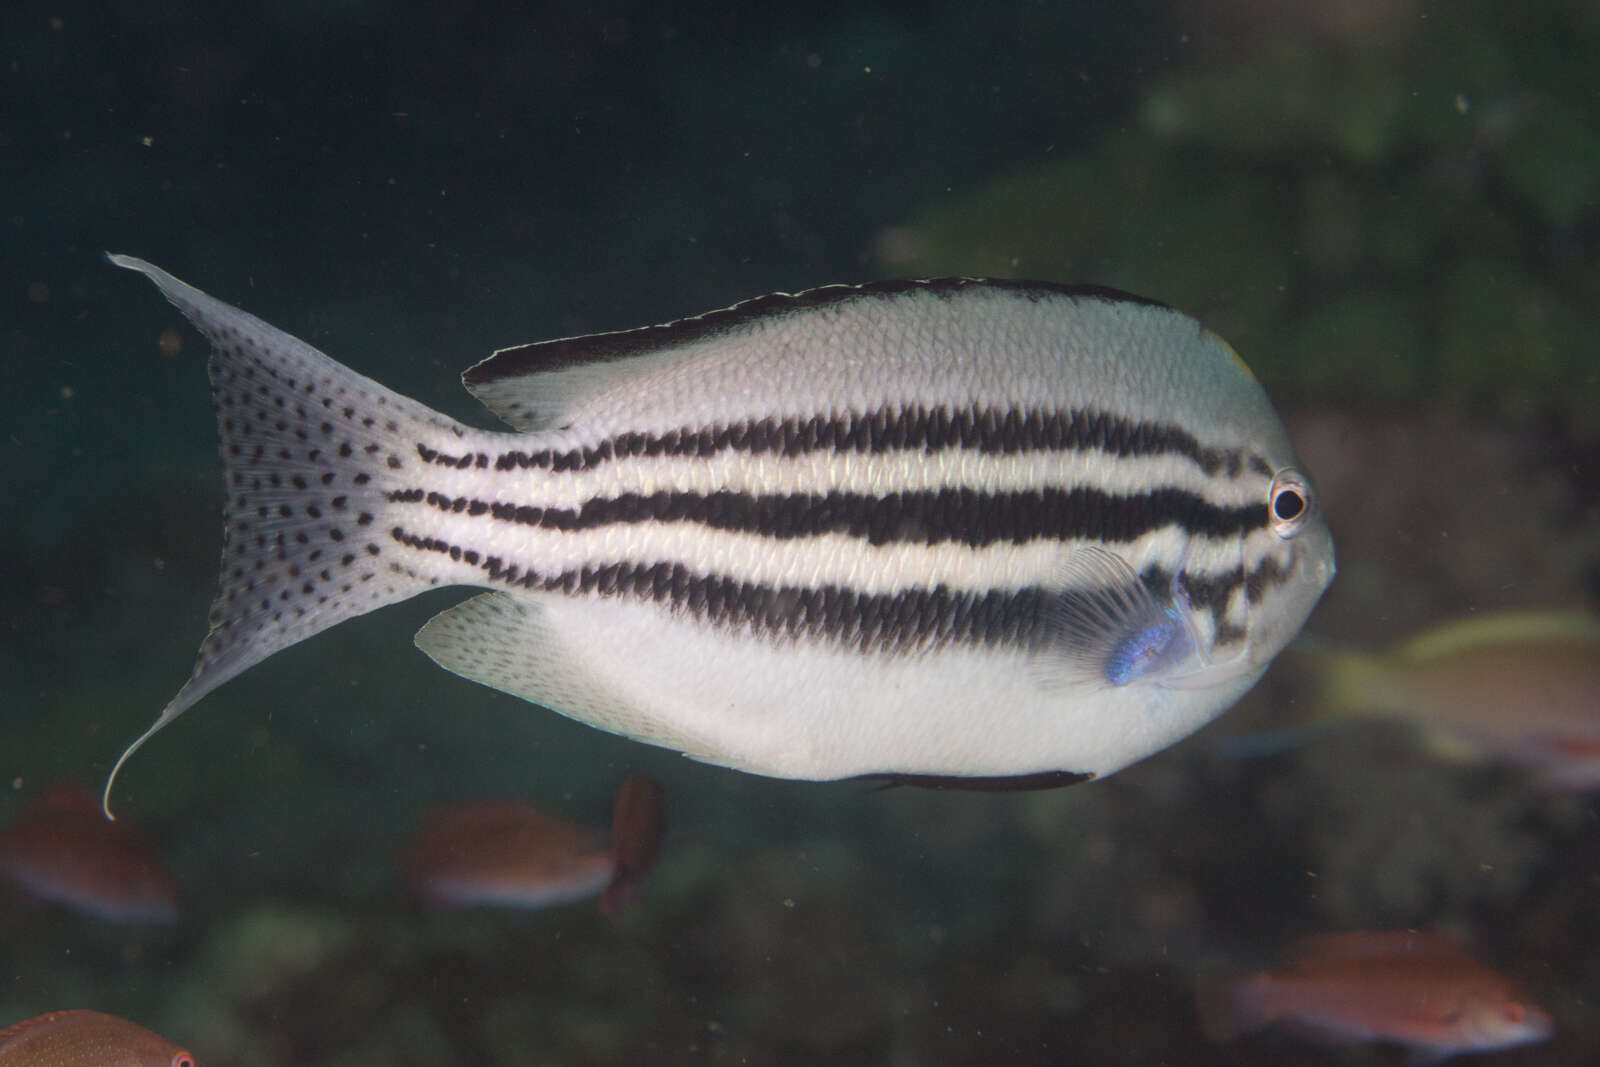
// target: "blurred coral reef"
[[1373, 217]]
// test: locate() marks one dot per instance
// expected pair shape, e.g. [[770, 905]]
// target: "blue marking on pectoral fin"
[[1111, 626], [1144, 650]]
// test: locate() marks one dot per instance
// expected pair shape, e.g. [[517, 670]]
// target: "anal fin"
[[510, 644], [1111, 627]]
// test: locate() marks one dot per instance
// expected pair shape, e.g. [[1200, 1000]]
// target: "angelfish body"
[[957, 529]]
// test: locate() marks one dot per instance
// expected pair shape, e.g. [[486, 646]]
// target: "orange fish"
[[1418, 989], [62, 849], [509, 854], [82, 1038]]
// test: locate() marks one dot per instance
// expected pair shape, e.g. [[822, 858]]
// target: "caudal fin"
[[310, 450]]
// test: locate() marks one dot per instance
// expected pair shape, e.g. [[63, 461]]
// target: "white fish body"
[[953, 529]]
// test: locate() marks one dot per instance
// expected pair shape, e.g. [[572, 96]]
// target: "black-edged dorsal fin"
[[542, 385]]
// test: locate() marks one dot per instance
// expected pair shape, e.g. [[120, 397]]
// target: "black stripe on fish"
[[542, 356], [1267, 574], [1212, 593], [867, 621], [963, 516], [1004, 431], [915, 617]]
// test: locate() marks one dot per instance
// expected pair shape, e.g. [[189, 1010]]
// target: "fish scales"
[[808, 536]]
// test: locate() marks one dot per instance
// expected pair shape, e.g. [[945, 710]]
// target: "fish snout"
[[1511, 1021], [1533, 1023]]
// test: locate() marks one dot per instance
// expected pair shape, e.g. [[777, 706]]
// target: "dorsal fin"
[[541, 385]]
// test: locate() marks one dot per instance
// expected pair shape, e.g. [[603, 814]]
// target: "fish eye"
[[1289, 503], [182, 1058]]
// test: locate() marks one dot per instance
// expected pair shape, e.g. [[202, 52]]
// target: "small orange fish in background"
[[62, 849], [509, 854], [81, 1038], [1416, 988]]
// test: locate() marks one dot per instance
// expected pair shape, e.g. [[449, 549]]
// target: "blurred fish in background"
[[61, 849], [82, 1038], [1521, 687], [638, 827], [509, 854], [1418, 988]]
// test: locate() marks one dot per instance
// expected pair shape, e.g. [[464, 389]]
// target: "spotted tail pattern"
[[309, 449]]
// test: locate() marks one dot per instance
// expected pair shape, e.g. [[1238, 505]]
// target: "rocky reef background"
[[1392, 211]]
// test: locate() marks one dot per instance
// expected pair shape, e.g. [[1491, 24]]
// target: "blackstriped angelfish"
[[953, 529]]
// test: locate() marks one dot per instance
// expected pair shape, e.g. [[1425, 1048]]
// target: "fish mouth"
[[1328, 568], [1311, 569], [1314, 561], [1534, 1025]]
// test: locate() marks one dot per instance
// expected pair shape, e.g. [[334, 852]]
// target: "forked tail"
[[310, 450]]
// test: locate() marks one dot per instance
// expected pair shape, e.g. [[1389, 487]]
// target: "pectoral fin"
[[1109, 625]]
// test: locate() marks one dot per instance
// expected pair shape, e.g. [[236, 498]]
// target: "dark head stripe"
[[1212, 593], [990, 430]]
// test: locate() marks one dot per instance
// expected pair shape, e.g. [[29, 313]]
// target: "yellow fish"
[[1522, 687]]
